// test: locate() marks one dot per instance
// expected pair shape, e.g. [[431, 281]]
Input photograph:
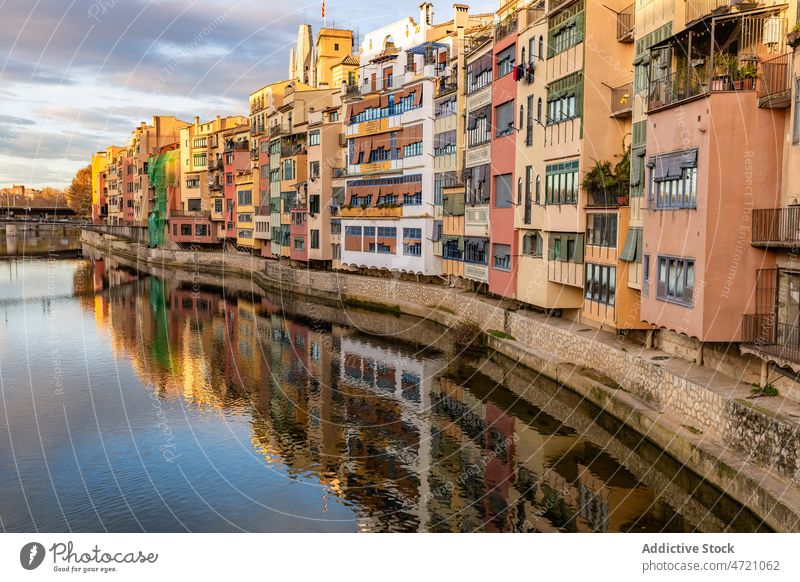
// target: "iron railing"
[[775, 83], [506, 26], [622, 100], [776, 227], [674, 87], [697, 9], [762, 333], [625, 24]]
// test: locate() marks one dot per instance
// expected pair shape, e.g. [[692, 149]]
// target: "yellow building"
[[99, 205]]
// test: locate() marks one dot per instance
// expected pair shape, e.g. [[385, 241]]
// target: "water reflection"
[[411, 439], [270, 413], [38, 240]]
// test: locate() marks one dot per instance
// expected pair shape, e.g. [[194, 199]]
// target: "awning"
[[422, 48], [633, 245], [670, 166]]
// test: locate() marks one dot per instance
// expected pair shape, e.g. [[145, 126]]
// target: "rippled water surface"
[[135, 401]]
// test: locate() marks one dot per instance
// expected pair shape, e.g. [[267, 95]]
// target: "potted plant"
[[725, 67], [746, 77], [793, 38]]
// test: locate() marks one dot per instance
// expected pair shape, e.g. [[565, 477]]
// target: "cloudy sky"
[[76, 76]]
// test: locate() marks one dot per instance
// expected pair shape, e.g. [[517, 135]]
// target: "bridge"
[[16, 224]]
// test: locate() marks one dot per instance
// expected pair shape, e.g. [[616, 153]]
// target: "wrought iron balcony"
[[622, 100], [771, 339], [776, 227], [625, 24], [775, 89]]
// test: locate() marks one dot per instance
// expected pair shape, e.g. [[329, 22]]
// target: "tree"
[[79, 193]]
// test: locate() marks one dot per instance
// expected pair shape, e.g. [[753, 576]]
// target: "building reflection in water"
[[409, 439]]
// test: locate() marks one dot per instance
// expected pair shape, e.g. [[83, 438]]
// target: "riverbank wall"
[[750, 449]]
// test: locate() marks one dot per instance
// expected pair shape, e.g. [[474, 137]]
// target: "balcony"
[[679, 86], [446, 84], [215, 185], [622, 101], [241, 145], [506, 26], [216, 164], [775, 89], [625, 24], [190, 213], [288, 151], [608, 198], [371, 212], [776, 228], [254, 154], [772, 340], [278, 129]]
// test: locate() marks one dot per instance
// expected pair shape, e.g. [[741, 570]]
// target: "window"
[[313, 138], [201, 230], [600, 283], [218, 205], [288, 169], [199, 142], [477, 188], [299, 243], [675, 280], [601, 230], [333, 116], [336, 228], [314, 239], [528, 194], [193, 205], [313, 170], [645, 275], [229, 178], [193, 182], [506, 60], [532, 244], [529, 121], [452, 249], [245, 197], [186, 230], [200, 159], [245, 233], [565, 30], [244, 217], [479, 73], [446, 108], [475, 250], [478, 123], [313, 204], [440, 182], [503, 191], [504, 119], [413, 149], [561, 183], [229, 158], [501, 257], [565, 247], [412, 241], [673, 180], [414, 199], [564, 98]]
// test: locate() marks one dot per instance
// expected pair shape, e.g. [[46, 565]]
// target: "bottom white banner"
[[379, 557]]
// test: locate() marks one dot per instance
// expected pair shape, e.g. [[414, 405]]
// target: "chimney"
[[426, 14], [460, 15]]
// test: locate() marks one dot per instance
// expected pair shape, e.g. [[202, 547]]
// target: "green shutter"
[[579, 248]]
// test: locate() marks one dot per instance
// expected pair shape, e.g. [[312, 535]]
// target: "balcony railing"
[[625, 24], [254, 154], [763, 334], [446, 84], [685, 84], [506, 26], [622, 100], [190, 213], [215, 164], [278, 129], [776, 227], [775, 89], [605, 198], [697, 9]]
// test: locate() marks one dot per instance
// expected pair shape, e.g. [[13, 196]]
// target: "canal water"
[[135, 401]]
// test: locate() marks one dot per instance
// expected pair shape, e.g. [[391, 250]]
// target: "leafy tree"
[[79, 193]]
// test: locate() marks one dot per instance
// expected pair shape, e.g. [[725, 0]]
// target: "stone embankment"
[[748, 448]]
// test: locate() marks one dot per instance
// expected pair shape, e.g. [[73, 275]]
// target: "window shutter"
[[579, 240]]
